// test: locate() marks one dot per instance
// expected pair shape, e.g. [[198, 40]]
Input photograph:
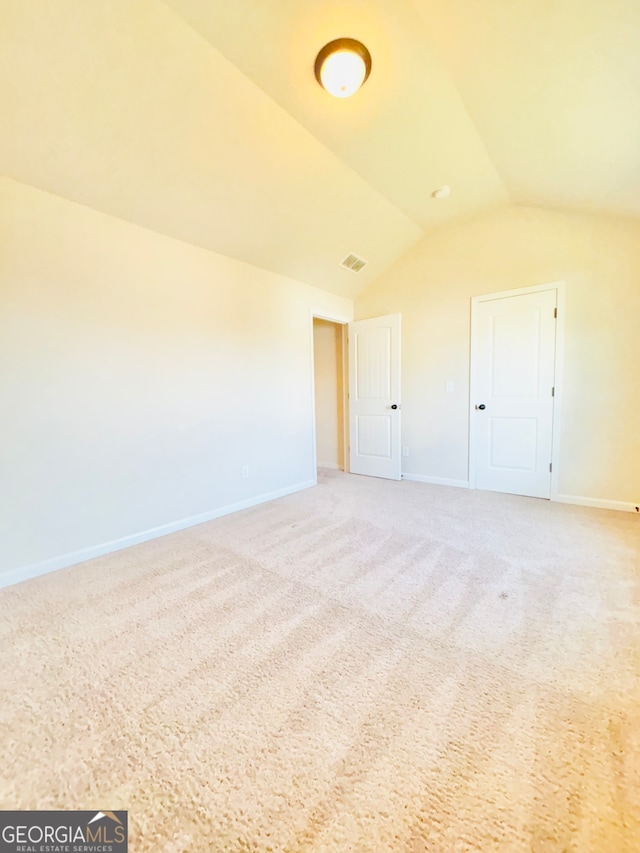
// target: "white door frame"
[[559, 287], [343, 321]]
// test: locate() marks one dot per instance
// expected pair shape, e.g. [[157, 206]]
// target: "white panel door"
[[374, 397], [513, 371]]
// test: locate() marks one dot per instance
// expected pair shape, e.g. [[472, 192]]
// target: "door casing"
[[343, 321]]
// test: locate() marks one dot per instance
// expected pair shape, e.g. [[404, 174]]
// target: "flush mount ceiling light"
[[342, 66]]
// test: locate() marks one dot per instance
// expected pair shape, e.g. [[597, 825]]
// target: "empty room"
[[320, 426]]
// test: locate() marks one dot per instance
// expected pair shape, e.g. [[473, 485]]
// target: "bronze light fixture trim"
[[344, 46]]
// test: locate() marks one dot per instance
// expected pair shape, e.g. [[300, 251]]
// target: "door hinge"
[[550, 467], [553, 391], [555, 313]]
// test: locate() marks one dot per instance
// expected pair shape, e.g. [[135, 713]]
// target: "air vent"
[[353, 263]]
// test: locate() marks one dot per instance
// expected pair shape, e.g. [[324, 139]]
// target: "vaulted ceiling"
[[202, 119]]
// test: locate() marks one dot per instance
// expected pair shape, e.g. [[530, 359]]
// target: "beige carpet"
[[366, 666]]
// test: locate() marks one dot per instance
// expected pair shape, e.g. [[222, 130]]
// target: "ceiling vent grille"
[[353, 263]]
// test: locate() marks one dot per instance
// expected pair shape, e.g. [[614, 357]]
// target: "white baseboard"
[[65, 560], [436, 481], [596, 502]]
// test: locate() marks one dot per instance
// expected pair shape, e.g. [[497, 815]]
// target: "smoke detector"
[[353, 262], [441, 192]]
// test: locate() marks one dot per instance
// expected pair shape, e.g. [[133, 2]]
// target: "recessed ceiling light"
[[441, 192], [342, 66]]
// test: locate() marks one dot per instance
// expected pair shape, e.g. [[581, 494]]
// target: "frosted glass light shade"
[[343, 73], [342, 66]]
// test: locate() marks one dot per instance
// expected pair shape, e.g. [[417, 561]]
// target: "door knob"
[[482, 407], [394, 406]]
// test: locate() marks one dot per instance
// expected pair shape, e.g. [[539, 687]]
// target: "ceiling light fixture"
[[342, 66]]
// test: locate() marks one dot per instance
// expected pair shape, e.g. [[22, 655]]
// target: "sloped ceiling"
[[202, 119], [553, 87]]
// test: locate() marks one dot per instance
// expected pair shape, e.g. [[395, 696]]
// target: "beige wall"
[[599, 258], [327, 339], [138, 374]]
